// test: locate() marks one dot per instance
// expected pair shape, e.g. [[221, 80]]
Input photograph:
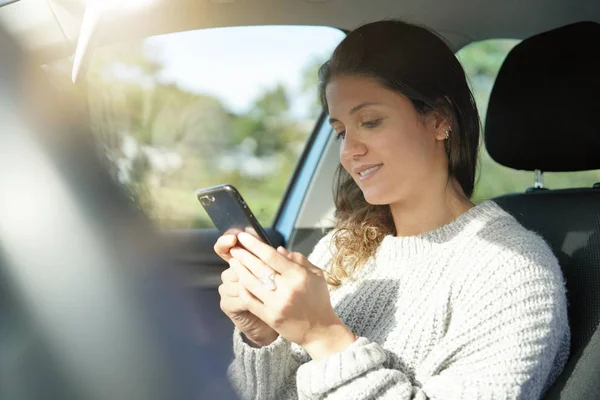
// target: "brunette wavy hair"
[[417, 63]]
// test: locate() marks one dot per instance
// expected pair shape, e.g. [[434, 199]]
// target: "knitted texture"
[[475, 309]]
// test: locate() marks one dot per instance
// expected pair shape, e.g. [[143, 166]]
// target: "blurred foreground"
[[89, 306]]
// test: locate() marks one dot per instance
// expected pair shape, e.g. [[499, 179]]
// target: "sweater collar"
[[411, 247]]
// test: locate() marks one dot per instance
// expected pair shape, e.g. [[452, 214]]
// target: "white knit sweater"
[[475, 309]]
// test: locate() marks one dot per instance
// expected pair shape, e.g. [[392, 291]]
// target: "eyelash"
[[341, 134], [369, 125]]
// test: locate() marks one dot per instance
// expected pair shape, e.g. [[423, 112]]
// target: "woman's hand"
[[299, 308], [232, 300], [224, 245]]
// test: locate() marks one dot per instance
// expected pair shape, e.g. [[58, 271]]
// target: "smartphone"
[[229, 212]]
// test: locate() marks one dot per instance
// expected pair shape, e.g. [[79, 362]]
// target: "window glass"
[[482, 61], [183, 111]]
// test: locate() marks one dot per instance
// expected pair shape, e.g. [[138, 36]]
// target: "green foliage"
[[310, 84], [128, 100], [485, 58], [172, 141], [266, 124], [482, 61]]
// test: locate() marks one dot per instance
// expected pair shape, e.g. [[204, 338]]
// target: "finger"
[[224, 245], [253, 232], [253, 304], [229, 275], [299, 258], [230, 304], [227, 241], [229, 289], [268, 255], [252, 284], [283, 251], [253, 263], [302, 261]]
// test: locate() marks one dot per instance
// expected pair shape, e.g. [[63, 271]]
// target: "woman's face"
[[393, 153]]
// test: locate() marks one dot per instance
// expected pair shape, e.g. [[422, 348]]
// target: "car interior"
[[540, 118], [534, 126]]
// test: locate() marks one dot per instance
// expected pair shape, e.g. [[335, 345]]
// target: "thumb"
[[282, 250]]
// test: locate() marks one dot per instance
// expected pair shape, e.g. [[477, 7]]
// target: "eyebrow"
[[355, 109]]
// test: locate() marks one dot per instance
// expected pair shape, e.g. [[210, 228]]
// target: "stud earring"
[[448, 132]]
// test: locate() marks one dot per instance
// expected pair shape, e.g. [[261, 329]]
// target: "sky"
[[237, 64]]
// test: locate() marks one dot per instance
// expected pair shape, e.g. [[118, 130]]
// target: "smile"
[[368, 172]]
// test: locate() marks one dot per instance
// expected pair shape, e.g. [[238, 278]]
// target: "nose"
[[352, 146]]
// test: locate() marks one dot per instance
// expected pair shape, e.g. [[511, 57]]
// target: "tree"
[[310, 84], [266, 124], [481, 62]]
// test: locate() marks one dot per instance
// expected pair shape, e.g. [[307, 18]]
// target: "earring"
[[448, 132]]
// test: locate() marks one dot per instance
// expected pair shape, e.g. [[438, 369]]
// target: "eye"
[[340, 135], [371, 124]]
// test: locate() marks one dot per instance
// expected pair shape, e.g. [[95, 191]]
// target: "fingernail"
[[244, 235]]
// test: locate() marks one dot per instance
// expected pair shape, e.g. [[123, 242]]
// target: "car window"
[[482, 61], [188, 110]]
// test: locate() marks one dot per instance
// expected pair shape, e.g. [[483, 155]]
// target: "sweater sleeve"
[[506, 334], [258, 373]]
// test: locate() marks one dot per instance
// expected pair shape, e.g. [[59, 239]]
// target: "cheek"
[[408, 150], [397, 145]]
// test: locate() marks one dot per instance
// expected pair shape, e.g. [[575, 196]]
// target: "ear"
[[443, 118], [440, 124]]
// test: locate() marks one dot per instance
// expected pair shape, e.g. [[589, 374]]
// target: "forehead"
[[350, 86], [346, 92]]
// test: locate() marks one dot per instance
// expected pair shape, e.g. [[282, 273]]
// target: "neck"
[[429, 210]]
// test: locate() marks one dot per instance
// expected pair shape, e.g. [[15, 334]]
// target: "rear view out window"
[[482, 61], [182, 111]]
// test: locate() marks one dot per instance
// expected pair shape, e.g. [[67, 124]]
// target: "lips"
[[366, 170], [361, 168]]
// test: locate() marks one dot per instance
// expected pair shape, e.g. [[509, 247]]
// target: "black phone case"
[[229, 212]]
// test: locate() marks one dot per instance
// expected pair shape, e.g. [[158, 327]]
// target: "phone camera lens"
[[207, 200]]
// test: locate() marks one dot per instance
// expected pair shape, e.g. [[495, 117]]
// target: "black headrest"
[[544, 109]]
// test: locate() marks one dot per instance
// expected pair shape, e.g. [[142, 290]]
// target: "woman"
[[417, 293]]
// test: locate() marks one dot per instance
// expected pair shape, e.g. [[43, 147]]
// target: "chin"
[[376, 199]]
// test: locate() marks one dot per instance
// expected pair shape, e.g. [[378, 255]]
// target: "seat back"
[[575, 238], [542, 116]]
